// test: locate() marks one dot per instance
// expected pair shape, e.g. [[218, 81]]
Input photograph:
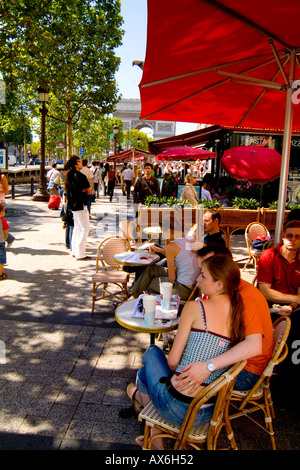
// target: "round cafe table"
[[152, 231], [135, 258], [124, 318]]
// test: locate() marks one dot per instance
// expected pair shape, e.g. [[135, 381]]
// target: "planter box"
[[181, 220], [268, 217], [236, 219], [175, 222]]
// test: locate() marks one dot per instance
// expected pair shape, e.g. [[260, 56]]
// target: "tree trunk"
[[69, 131], [25, 144]]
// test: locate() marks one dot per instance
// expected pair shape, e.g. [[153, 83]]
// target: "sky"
[[134, 13]]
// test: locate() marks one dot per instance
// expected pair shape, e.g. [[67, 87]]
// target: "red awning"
[[130, 155], [193, 138], [218, 62], [184, 153], [225, 62]]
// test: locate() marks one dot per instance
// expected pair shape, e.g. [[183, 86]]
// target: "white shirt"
[[128, 174], [88, 173], [96, 174]]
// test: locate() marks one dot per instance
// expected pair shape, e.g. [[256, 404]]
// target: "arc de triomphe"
[[128, 110]]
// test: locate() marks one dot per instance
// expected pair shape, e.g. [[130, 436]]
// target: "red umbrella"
[[253, 163], [225, 62], [185, 153]]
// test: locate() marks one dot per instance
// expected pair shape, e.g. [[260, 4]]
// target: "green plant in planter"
[[151, 200], [244, 203], [210, 204], [171, 201], [274, 205], [165, 201]]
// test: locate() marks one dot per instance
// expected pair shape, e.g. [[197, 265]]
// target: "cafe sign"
[[257, 140], [295, 142]]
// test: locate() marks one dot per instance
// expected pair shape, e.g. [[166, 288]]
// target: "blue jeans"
[[10, 238], [245, 380], [2, 253], [89, 202], [148, 381]]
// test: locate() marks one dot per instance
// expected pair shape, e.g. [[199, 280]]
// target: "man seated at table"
[[182, 269], [211, 222], [278, 273], [278, 278]]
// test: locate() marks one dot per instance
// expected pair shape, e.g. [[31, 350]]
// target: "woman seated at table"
[[189, 193], [182, 269], [207, 328]]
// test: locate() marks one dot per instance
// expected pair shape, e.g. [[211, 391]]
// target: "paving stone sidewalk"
[[64, 379]]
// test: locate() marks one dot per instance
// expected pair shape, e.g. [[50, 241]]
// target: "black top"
[[214, 238], [77, 197]]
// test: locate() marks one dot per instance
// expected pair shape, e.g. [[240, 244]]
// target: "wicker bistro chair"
[[189, 436], [111, 272], [259, 397], [252, 231], [131, 232]]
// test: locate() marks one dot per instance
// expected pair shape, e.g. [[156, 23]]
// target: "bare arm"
[[197, 372], [5, 234], [275, 296], [4, 182], [157, 249]]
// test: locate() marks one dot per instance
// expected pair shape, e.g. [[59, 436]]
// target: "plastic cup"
[[166, 294], [149, 302]]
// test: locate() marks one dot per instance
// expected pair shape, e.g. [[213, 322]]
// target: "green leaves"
[[66, 46], [165, 201], [214, 204], [244, 203]]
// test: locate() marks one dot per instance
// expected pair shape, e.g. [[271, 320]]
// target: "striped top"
[[203, 345]]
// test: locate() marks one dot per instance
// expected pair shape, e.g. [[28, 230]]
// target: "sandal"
[[136, 404], [140, 442], [3, 276]]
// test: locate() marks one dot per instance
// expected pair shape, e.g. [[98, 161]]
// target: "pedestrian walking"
[[78, 188]]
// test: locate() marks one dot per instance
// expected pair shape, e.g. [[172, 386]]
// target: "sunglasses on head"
[[290, 236]]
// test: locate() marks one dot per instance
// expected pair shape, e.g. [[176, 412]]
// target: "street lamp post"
[[115, 131], [42, 194], [138, 141]]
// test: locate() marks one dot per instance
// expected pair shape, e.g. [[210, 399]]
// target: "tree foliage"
[[67, 47]]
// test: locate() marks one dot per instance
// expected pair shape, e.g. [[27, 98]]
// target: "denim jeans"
[[148, 381], [89, 202], [2, 253]]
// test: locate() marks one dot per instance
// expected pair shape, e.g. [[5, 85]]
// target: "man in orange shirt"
[[257, 346]]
